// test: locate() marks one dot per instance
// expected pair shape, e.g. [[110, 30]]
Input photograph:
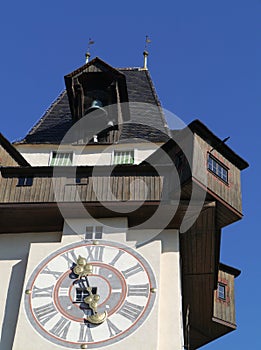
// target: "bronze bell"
[[96, 104]]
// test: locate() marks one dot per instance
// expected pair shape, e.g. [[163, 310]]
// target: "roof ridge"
[[94, 61], [128, 68], [158, 103]]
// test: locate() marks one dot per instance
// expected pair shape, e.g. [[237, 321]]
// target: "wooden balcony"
[[29, 194], [45, 189]]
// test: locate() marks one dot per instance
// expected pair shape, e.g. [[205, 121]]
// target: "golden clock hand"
[[92, 301], [82, 268]]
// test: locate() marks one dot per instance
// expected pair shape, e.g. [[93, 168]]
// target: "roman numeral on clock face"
[[61, 328], [95, 253], [70, 257], [112, 328], [130, 311], [85, 334], [132, 270], [138, 289], [116, 258], [45, 313], [55, 274], [42, 292]]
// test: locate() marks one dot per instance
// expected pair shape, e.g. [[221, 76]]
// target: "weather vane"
[[145, 52], [147, 42], [88, 55]]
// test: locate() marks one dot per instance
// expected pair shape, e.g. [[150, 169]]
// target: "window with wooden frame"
[[93, 232], [61, 158], [123, 157], [221, 291], [217, 168]]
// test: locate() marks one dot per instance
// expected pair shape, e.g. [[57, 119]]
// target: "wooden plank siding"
[[97, 188], [199, 250], [209, 318], [231, 192], [198, 267], [224, 310]]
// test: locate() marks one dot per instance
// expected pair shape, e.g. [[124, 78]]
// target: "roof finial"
[[146, 53], [88, 55]]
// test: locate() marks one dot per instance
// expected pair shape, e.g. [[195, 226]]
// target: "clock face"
[[89, 295]]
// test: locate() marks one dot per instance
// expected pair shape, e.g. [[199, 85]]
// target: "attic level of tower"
[[95, 86]]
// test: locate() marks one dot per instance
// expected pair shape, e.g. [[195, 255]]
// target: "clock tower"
[[111, 222]]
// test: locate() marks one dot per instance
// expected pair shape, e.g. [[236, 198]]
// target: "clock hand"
[[92, 301], [83, 269], [87, 282]]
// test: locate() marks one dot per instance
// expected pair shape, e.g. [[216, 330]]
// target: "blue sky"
[[205, 62]]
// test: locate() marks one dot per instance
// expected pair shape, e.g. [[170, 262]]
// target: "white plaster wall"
[[161, 331], [170, 298], [38, 158], [114, 229], [14, 249], [39, 155]]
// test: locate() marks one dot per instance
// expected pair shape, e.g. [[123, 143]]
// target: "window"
[[25, 181], [81, 180], [61, 158], [93, 232], [221, 291], [217, 168], [78, 180], [123, 157]]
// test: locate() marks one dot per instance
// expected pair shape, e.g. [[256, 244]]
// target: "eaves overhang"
[[14, 153]]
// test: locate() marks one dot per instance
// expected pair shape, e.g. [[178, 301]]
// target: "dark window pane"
[[217, 168], [221, 291]]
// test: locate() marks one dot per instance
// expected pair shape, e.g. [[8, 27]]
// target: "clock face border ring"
[[115, 338]]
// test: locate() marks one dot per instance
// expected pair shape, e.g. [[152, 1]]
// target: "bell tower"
[[99, 91], [117, 222]]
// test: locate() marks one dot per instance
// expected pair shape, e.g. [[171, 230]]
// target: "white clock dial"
[[76, 309]]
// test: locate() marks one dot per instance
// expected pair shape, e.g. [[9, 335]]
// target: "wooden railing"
[[45, 189]]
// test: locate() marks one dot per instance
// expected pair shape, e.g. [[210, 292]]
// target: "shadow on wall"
[[14, 293]]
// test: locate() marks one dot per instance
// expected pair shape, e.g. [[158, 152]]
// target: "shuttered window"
[[123, 157], [61, 158]]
